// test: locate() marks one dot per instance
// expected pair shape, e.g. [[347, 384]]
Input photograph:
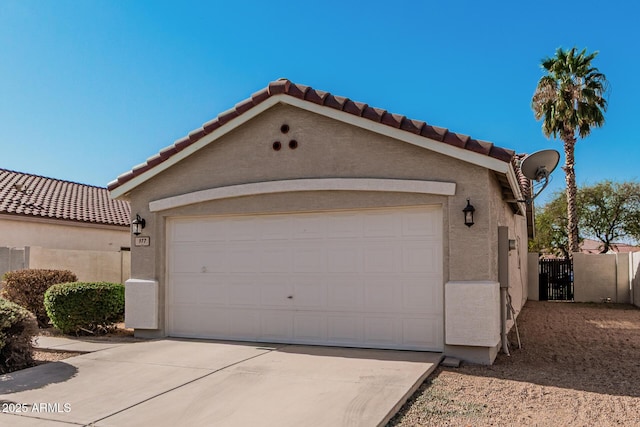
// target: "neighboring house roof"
[[37, 196], [590, 246], [284, 90]]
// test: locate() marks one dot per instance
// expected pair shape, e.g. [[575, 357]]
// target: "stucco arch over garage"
[[247, 164]]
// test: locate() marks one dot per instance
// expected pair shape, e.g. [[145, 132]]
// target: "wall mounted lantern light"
[[137, 225], [468, 214]]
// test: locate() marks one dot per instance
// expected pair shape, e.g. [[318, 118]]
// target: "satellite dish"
[[538, 167]]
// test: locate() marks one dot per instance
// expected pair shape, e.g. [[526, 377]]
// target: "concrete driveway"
[[201, 383]]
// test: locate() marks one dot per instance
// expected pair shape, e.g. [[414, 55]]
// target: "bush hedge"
[[18, 327], [85, 307], [27, 287]]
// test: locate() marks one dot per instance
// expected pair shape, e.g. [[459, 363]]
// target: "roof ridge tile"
[[286, 87]]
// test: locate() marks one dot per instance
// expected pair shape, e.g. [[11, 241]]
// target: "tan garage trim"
[[315, 184]]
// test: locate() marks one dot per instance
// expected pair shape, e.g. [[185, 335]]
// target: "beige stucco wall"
[[21, 231], [329, 149], [88, 266], [518, 257], [600, 276], [634, 273]]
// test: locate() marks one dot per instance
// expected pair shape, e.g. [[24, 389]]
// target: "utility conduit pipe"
[[503, 278]]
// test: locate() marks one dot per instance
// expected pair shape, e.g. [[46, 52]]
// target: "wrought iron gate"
[[556, 279]]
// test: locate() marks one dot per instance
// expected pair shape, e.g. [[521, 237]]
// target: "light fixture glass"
[[137, 225], [468, 214]]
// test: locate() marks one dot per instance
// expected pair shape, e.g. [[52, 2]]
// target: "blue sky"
[[88, 89]]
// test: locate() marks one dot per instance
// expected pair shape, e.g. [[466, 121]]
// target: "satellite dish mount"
[[538, 167]]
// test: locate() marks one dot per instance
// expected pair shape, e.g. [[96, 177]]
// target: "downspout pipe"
[[503, 278]]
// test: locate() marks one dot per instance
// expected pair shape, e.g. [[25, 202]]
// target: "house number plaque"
[[143, 241]]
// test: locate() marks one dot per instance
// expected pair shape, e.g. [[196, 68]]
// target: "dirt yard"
[[579, 366]]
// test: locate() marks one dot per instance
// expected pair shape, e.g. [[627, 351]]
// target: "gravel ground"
[[45, 356], [41, 356], [579, 366]]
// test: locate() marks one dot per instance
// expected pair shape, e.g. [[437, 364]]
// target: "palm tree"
[[570, 100]]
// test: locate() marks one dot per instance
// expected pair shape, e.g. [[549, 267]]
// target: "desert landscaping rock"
[[579, 366]]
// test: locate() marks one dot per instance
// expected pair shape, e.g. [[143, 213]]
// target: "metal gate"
[[556, 279]]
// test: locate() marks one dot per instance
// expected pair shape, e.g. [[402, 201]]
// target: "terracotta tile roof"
[[38, 196], [284, 86]]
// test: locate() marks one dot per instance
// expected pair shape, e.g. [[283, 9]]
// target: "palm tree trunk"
[[570, 178]]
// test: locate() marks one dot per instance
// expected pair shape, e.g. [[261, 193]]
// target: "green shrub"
[[18, 327], [27, 287], [90, 307]]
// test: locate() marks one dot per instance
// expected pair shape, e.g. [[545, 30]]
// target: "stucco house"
[[51, 223], [302, 217], [590, 246]]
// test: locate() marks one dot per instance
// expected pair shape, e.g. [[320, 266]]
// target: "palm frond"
[[571, 95]]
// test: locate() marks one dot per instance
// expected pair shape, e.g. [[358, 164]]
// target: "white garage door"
[[366, 278]]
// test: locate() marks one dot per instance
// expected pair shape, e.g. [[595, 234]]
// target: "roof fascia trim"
[[204, 141], [64, 222], [311, 184], [515, 187], [402, 135]]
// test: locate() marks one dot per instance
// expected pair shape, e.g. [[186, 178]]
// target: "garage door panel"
[[345, 258], [199, 259], [310, 327], [309, 260], [414, 225], [345, 329], [192, 231], [381, 224], [345, 293], [369, 278], [418, 298], [420, 258], [186, 290], [241, 291], [381, 294], [308, 227], [275, 228], [241, 228], [380, 258], [273, 291], [381, 331], [344, 226], [309, 292], [244, 324], [198, 289], [276, 325], [186, 322], [191, 258], [275, 259], [421, 332], [241, 260]]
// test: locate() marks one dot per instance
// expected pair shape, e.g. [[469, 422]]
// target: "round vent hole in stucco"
[[277, 145], [293, 144], [284, 128]]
